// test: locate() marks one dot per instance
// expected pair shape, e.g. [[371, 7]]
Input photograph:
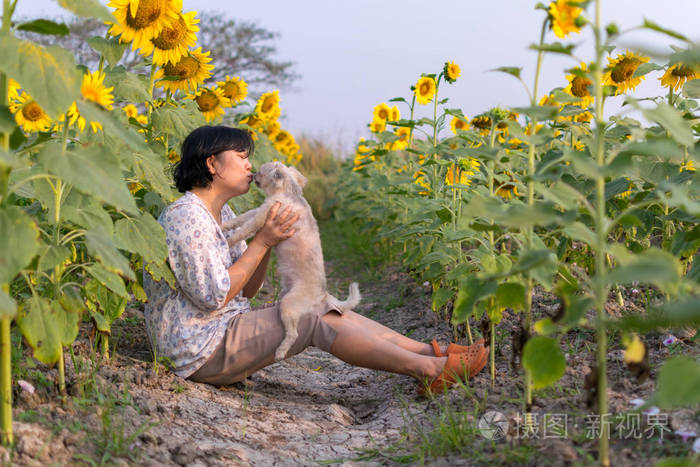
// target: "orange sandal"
[[460, 366], [454, 348]]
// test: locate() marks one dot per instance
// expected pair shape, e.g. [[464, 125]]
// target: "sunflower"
[[235, 89], [377, 126], [211, 102], [29, 115], [562, 17], [628, 191], [173, 156], [268, 106], [13, 89], [381, 112], [419, 179], [451, 71], [583, 117], [507, 191], [462, 173], [74, 116], [188, 73], [139, 21], [134, 187], [482, 122], [402, 143], [425, 89], [253, 122], [621, 70], [131, 111], [272, 128], [676, 75], [282, 139], [688, 166], [459, 124], [395, 115], [94, 90], [174, 41], [578, 85]]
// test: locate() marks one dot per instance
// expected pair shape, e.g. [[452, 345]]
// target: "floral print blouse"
[[186, 324]]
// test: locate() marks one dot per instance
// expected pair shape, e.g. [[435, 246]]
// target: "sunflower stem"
[[5, 379], [600, 289]]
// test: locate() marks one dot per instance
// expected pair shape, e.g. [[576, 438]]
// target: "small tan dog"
[[299, 258]]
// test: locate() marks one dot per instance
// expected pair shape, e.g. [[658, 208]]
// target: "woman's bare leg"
[[383, 332], [355, 345]]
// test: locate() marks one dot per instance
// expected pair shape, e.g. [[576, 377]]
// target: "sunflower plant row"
[[84, 162], [553, 195]]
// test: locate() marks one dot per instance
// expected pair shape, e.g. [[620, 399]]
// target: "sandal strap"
[[436, 348]]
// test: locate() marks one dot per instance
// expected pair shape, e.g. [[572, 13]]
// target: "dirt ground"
[[313, 408]]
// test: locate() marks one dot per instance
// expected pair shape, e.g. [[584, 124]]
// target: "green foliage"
[[544, 361]]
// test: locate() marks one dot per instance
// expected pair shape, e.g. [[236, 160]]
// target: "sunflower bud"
[[612, 30], [580, 21]]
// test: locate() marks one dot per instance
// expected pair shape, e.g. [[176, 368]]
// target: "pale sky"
[[355, 55]]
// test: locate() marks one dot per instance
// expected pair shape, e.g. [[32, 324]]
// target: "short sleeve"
[[195, 247]]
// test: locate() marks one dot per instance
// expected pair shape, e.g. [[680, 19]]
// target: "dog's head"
[[275, 177]]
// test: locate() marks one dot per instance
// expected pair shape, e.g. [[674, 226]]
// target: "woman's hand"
[[278, 226]]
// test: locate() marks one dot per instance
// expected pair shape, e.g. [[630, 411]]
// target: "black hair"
[[200, 144]]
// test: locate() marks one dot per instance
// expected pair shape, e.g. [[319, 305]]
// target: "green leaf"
[[44, 26], [645, 68], [161, 271], [90, 216], [544, 361], [8, 306], [7, 125], [556, 47], [672, 120], [52, 256], [652, 266], [47, 326], [71, 300], [142, 235], [539, 112], [679, 380], [440, 298], [19, 242], [87, 9], [107, 278], [684, 313], [129, 87], [470, 292], [113, 127], [511, 70], [174, 121], [510, 295], [93, 170], [111, 49], [579, 231], [101, 247], [110, 305], [49, 74], [691, 89], [655, 27]]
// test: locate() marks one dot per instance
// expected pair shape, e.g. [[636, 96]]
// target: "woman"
[[206, 327]]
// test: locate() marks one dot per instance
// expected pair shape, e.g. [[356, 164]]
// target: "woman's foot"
[[459, 366]]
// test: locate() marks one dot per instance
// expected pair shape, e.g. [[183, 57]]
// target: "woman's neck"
[[212, 200]]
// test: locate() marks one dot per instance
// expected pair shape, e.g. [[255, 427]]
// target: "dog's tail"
[[353, 300]]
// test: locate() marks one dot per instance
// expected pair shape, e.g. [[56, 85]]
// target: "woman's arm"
[[248, 272]]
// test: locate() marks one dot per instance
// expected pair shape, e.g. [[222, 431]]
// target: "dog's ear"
[[298, 177]]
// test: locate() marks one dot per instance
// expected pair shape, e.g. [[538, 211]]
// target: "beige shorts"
[[252, 338]]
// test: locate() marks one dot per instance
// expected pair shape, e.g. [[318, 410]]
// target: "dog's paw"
[[280, 354]]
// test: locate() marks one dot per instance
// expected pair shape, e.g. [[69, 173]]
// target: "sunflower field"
[[84, 167], [555, 196]]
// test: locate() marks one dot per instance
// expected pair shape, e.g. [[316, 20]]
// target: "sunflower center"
[[147, 12], [424, 88], [383, 114], [267, 105], [207, 101], [186, 68], [32, 112], [281, 137], [171, 37], [460, 124], [625, 69], [683, 71], [483, 123], [91, 93], [230, 89], [579, 86]]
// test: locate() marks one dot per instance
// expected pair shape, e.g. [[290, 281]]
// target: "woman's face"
[[231, 171]]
